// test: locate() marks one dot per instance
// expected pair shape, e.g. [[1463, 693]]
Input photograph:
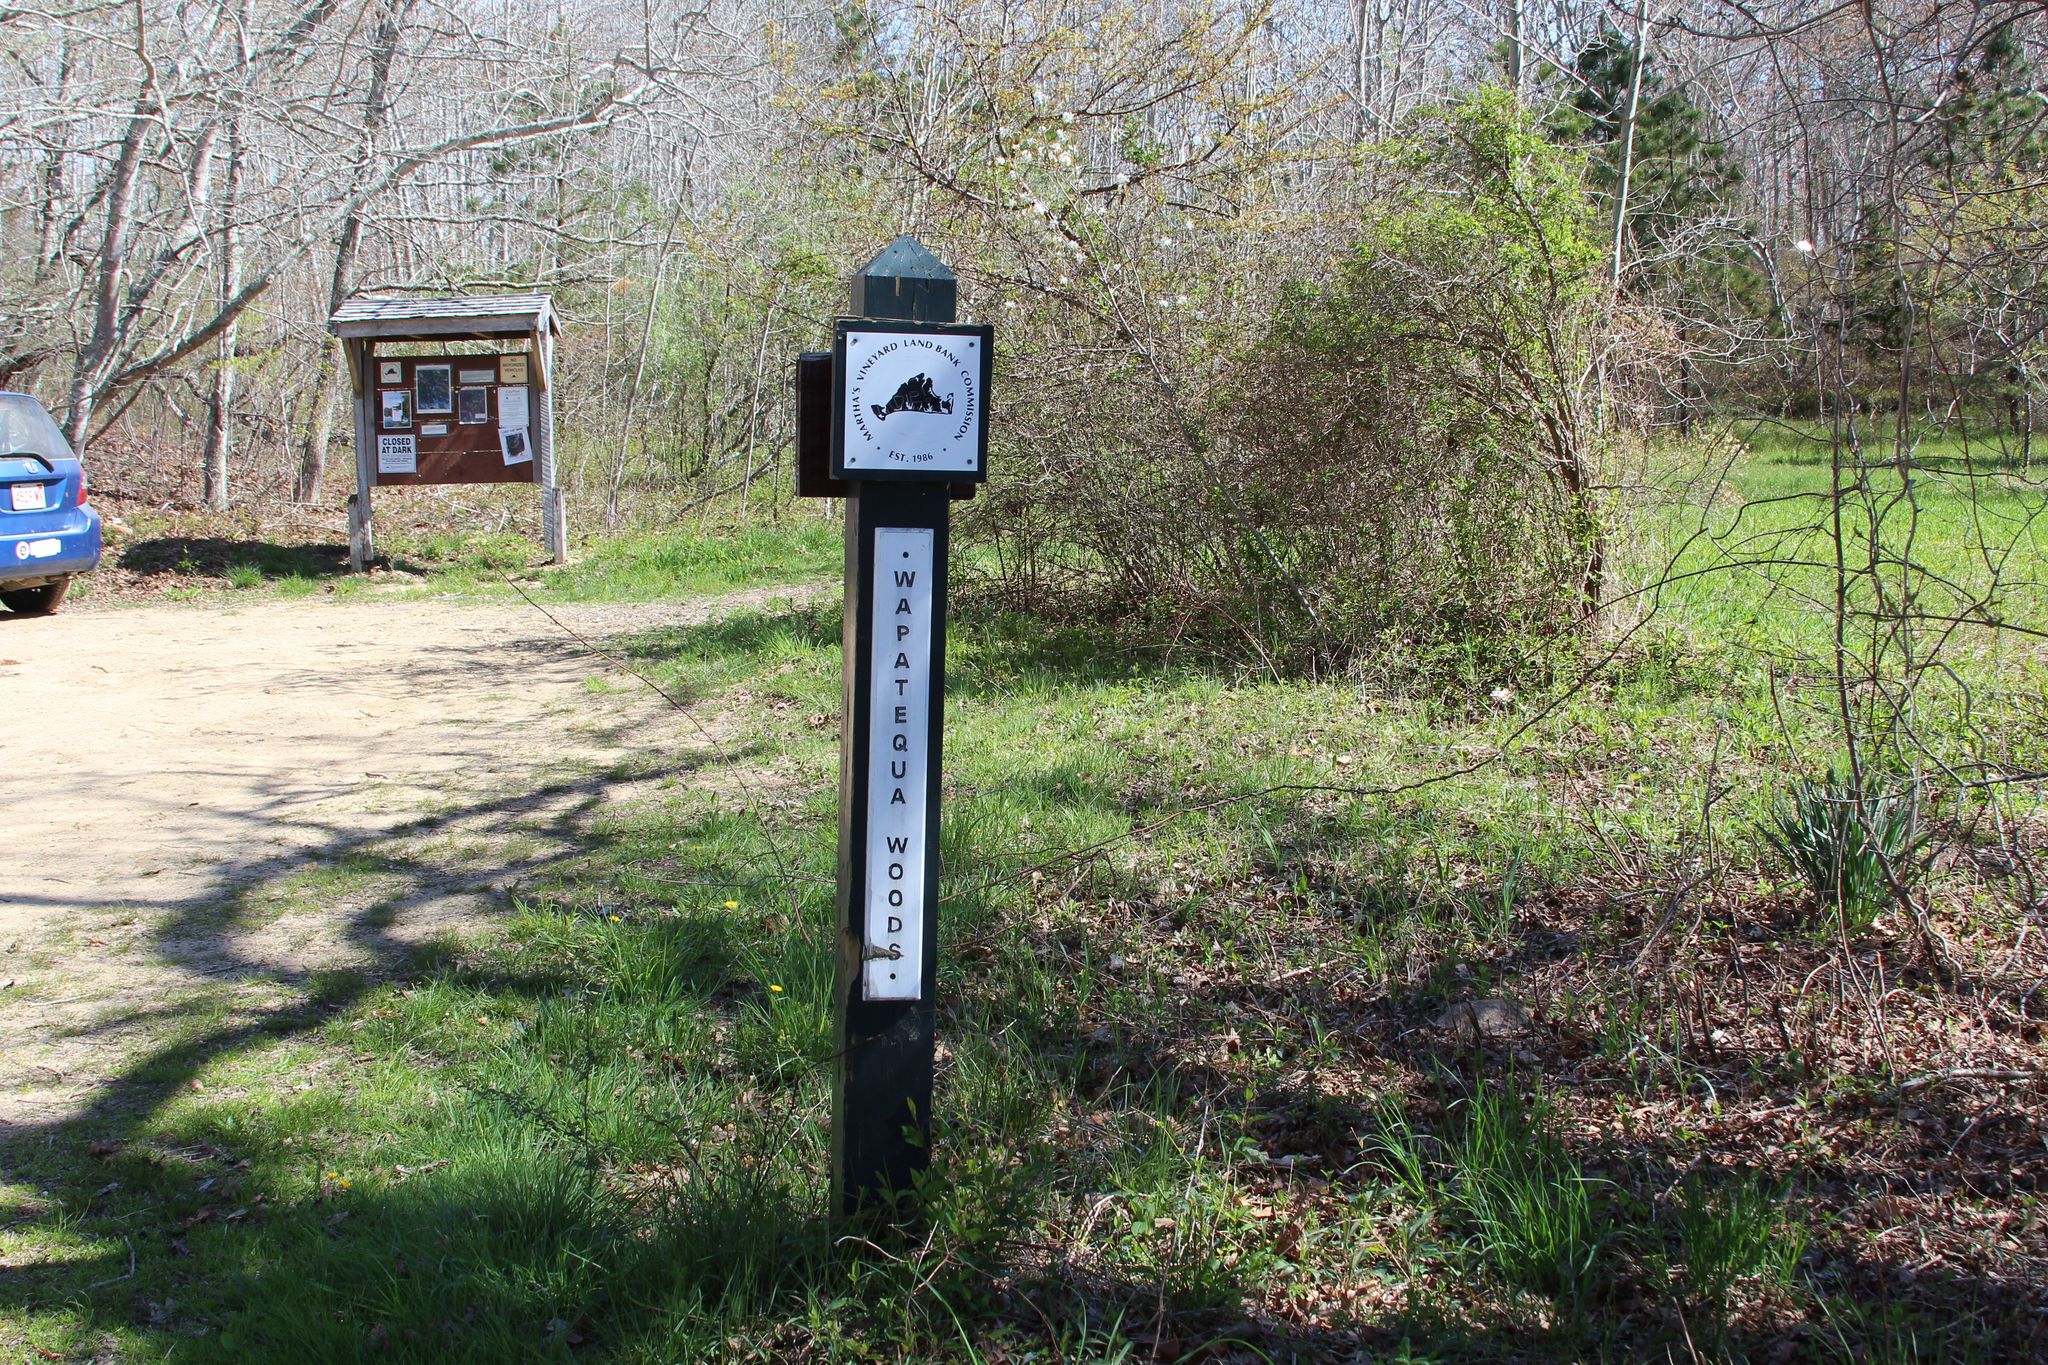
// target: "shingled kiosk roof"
[[475, 318]]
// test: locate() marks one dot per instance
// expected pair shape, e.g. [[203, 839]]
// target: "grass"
[[1193, 1103], [637, 567], [1753, 554], [443, 544], [1733, 1230]]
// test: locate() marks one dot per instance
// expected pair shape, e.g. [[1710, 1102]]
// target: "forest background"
[[1768, 211]]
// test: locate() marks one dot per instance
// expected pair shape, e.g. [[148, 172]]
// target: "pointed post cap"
[[907, 282]]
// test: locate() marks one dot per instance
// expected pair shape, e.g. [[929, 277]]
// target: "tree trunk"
[[376, 111], [1516, 22], [754, 398], [219, 407], [49, 243], [618, 479], [1361, 70], [1638, 60], [105, 337], [320, 427]]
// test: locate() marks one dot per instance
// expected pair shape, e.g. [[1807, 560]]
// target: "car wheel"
[[36, 601]]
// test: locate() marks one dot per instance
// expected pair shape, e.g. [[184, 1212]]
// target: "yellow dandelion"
[[615, 919], [776, 989], [732, 905]]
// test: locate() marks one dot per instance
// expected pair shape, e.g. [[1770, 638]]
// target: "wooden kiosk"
[[427, 419]]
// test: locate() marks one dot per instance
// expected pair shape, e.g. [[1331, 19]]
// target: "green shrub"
[[1391, 457], [1841, 837], [1418, 422]]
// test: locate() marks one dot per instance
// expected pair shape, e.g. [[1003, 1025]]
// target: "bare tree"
[[220, 404], [389, 19]]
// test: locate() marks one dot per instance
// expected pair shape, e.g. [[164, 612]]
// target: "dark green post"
[[882, 1080]]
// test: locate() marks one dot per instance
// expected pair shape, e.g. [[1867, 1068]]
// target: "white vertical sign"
[[899, 763]]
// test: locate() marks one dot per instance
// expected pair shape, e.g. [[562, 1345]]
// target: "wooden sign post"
[[908, 425]]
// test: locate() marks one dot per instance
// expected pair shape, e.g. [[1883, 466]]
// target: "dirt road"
[[199, 798]]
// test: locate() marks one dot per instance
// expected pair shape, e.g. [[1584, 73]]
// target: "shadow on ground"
[[215, 556], [631, 1169]]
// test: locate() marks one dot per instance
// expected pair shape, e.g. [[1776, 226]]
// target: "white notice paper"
[[518, 449], [899, 762], [512, 405], [397, 455]]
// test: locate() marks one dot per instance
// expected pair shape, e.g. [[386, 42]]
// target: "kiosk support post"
[[362, 535], [890, 747]]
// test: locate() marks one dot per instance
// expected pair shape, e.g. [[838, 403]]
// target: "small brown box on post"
[[814, 427]]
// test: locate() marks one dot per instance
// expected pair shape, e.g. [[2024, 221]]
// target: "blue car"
[[47, 533]]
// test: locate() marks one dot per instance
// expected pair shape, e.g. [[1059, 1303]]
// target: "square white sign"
[[913, 402]]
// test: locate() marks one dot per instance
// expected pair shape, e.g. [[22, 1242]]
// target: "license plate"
[[29, 497]]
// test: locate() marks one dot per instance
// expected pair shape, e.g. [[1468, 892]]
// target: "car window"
[[24, 426]]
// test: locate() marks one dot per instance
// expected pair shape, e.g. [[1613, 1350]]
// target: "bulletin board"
[[440, 418], [453, 419]]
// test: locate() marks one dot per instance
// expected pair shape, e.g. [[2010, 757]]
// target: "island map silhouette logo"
[[913, 395]]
